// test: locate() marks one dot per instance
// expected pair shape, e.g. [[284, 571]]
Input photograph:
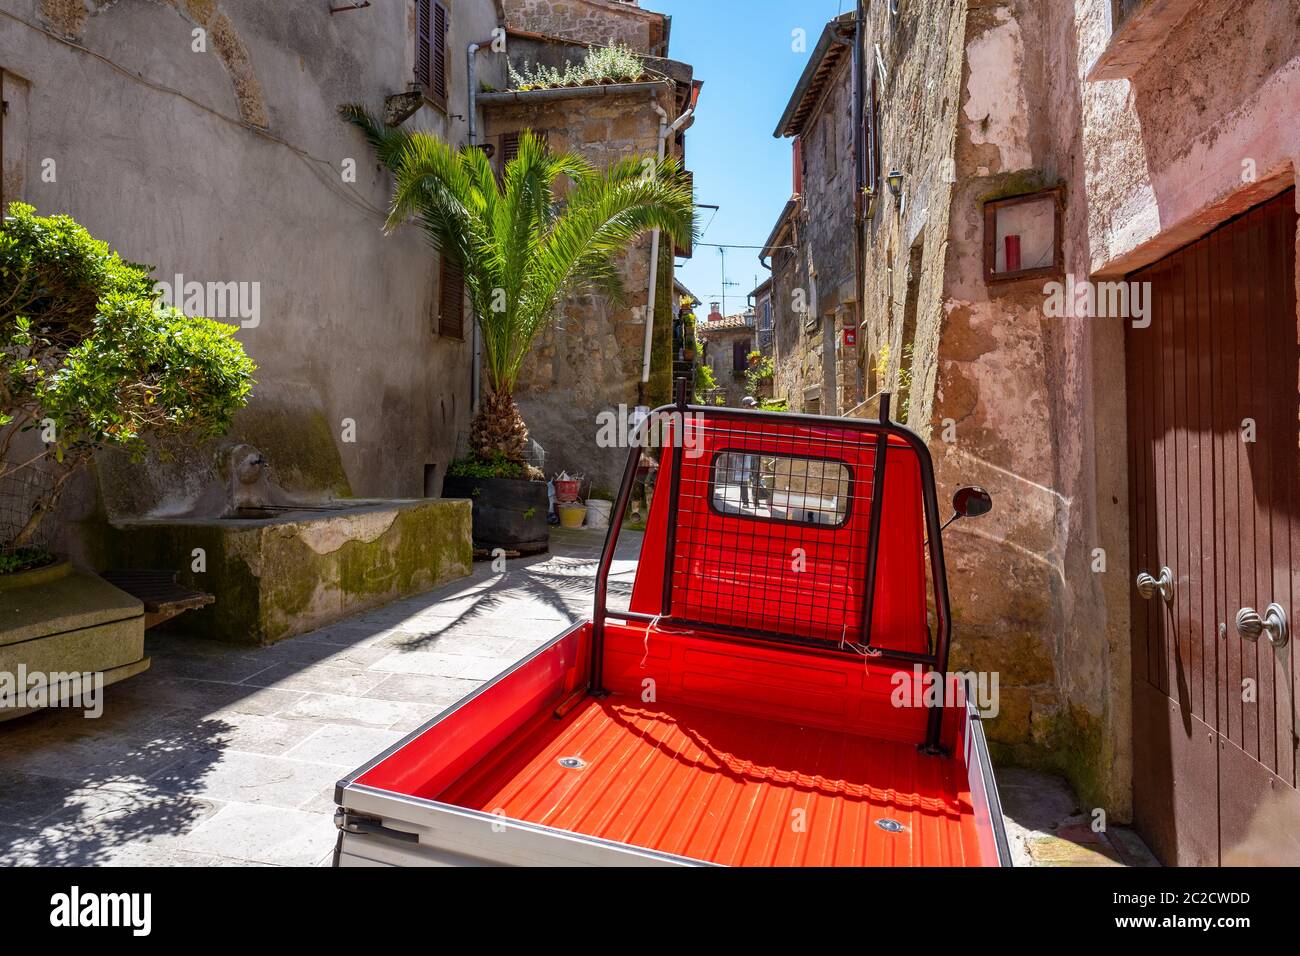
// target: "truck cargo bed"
[[728, 789]]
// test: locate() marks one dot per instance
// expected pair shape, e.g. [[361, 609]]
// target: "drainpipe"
[[665, 131], [476, 336]]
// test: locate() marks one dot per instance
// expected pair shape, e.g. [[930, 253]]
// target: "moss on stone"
[[273, 580]]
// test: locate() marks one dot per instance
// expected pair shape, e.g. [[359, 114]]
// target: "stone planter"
[[289, 573], [58, 622], [509, 513]]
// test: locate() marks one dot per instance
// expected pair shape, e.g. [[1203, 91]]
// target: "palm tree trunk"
[[498, 430]]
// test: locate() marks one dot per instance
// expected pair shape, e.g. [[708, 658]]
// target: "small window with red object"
[[1022, 237]]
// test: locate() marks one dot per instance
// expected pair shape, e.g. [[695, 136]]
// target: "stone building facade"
[[203, 137], [1104, 112], [590, 362], [811, 248], [725, 344]]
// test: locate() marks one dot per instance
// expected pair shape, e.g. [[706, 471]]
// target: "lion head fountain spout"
[[248, 481]]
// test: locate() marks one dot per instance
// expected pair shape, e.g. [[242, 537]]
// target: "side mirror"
[[971, 502]]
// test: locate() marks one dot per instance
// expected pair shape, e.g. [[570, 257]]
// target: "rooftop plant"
[[610, 64], [88, 360]]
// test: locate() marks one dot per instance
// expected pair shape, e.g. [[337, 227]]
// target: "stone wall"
[[232, 165], [589, 360], [819, 272], [992, 99], [596, 22], [718, 345]]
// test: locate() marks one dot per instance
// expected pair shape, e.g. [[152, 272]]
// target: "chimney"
[[714, 314]]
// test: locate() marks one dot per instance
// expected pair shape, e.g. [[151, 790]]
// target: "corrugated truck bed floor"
[[728, 789]]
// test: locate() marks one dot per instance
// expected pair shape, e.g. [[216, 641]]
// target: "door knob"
[[1148, 586], [1250, 625]]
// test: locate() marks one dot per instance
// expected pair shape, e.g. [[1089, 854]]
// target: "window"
[[508, 147], [1022, 237], [451, 299], [432, 23], [777, 488], [739, 355]]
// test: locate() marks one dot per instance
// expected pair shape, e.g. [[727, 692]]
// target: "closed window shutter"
[[739, 356], [508, 148], [422, 53], [451, 299], [438, 44]]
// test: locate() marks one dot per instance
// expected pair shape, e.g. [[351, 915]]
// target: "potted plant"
[[88, 360], [522, 250]]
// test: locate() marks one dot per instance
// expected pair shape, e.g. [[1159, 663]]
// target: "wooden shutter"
[[508, 147], [451, 299], [739, 355], [422, 30], [797, 154], [432, 22], [438, 44]]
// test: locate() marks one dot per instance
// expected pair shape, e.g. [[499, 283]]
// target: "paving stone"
[[442, 665], [318, 678], [347, 746], [276, 835], [26, 798], [430, 692], [354, 711], [1054, 851], [253, 778]]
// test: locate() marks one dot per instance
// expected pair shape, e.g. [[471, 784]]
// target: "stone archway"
[[70, 16]]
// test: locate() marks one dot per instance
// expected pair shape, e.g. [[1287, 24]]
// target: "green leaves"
[[147, 371], [525, 243], [83, 347]]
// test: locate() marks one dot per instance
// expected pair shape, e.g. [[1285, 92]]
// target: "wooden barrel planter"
[[509, 513]]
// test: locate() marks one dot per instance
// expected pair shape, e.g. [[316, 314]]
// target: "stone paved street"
[[227, 755], [222, 755]]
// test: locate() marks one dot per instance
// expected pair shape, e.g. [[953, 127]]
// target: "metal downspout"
[[651, 301]]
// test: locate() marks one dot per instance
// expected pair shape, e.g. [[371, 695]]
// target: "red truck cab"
[[772, 695]]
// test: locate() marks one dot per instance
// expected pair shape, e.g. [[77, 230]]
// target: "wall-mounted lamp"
[[895, 180]]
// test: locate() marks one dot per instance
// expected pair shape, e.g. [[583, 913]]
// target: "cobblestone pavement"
[[221, 754], [228, 755]]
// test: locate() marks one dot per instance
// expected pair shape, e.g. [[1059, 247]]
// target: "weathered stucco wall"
[[228, 166], [589, 360]]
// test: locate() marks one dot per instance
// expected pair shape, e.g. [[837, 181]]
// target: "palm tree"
[[522, 246]]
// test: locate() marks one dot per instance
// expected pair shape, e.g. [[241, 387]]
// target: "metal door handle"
[[1148, 586], [1250, 625]]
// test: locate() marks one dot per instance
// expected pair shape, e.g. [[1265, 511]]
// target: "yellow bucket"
[[572, 515]]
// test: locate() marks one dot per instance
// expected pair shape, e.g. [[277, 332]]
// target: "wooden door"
[[1213, 456]]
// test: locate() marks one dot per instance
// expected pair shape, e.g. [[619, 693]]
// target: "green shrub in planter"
[[89, 360]]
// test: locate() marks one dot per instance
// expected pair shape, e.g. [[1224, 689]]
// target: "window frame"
[[849, 495], [991, 207]]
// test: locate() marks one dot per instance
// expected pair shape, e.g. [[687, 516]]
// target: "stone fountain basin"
[[280, 571]]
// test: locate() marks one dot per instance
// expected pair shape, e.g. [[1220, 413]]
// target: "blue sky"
[[741, 49]]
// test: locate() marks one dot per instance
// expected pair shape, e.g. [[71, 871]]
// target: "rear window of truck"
[[792, 489]]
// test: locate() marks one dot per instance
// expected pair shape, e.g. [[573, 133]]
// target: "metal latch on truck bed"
[[352, 823]]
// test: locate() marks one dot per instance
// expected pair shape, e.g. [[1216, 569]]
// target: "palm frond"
[[525, 241]]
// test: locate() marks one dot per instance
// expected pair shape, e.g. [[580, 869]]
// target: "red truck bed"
[[728, 789], [761, 701]]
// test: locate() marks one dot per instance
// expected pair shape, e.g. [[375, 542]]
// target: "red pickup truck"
[[761, 702]]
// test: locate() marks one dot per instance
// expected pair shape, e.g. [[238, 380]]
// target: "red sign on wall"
[[849, 337]]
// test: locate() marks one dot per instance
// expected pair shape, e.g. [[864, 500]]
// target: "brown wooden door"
[[1214, 451]]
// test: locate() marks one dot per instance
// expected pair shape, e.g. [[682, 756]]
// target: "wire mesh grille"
[[772, 532]]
